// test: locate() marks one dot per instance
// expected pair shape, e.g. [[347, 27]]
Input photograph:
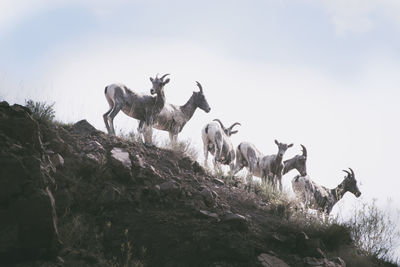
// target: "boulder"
[[83, 127], [122, 156]]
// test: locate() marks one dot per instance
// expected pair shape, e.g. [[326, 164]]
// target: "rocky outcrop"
[[28, 221]]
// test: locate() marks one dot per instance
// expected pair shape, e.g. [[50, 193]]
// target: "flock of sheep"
[[154, 112]]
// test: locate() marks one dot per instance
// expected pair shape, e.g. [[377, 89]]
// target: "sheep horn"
[[347, 172], [164, 76], [304, 151], [236, 123], [223, 127], [200, 87], [352, 172]]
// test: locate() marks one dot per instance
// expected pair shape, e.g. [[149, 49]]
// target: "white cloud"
[[360, 16], [12, 12]]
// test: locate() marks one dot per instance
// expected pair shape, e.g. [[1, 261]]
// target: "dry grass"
[[182, 147]]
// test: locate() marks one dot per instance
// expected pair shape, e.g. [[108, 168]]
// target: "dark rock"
[[312, 247], [185, 163], [218, 181], [197, 168], [17, 123], [209, 214], [83, 127], [339, 262], [28, 220], [267, 260], [170, 187], [312, 261], [57, 160], [208, 197], [237, 221]]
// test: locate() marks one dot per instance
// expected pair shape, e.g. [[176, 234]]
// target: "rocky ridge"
[[71, 195]]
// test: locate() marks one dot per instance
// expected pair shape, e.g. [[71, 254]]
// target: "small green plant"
[[41, 110]]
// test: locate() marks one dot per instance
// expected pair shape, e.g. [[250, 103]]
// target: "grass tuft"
[[41, 111]]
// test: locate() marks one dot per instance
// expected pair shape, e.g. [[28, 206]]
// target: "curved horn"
[[347, 172], [352, 172], [236, 123], [165, 75], [304, 151], [223, 127], [200, 87]]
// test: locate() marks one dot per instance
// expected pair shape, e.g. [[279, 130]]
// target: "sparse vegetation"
[[130, 136], [375, 230], [183, 147], [41, 110]]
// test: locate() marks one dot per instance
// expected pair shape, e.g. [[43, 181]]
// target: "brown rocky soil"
[[71, 195]]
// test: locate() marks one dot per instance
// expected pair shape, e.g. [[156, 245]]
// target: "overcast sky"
[[320, 73]]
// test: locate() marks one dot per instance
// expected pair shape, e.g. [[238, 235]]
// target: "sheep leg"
[[105, 118], [117, 107], [264, 177], [173, 137], [140, 130], [111, 105], [239, 163], [218, 151], [279, 177], [218, 146], [205, 149], [148, 135]]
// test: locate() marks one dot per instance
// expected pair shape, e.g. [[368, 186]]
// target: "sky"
[[322, 73]]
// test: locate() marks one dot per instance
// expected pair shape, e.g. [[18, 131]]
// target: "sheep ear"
[[166, 81], [233, 132], [276, 142], [290, 145], [151, 79]]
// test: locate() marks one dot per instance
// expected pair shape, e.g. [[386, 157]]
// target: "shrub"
[[374, 230], [41, 110]]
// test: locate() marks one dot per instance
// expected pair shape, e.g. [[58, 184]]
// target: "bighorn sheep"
[[298, 162], [320, 197], [247, 155], [216, 140], [272, 166], [142, 107], [173, 118]]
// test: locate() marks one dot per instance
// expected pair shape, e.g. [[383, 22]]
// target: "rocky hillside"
[[71, 195]]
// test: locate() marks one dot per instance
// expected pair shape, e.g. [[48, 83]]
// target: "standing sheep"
[[216, 140]]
